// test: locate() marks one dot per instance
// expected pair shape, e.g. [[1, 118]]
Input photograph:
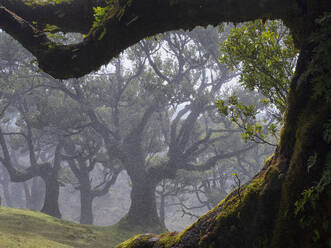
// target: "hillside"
[[25, 228]]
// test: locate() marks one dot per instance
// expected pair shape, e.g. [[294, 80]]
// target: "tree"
[[194, 193], [267, 210], [47, 170], [82, 153], [20, 139], [265, 56], [140, 116], [30, 138]]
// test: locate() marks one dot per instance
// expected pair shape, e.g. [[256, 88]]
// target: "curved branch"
[[211, 162], [141, 19], [15, 175], [104, 187]]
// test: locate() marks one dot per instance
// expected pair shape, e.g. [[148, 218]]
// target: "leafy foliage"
[[264, 55], [113, 8]]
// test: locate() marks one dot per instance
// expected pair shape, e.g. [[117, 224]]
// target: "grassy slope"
[[24, 228]]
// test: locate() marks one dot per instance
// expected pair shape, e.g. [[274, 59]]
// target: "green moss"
[[169, 239], [165, 240], [136, 241], [49, 2], [268, 160], [113, 9]]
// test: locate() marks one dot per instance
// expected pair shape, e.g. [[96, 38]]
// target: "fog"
[[141, 140]]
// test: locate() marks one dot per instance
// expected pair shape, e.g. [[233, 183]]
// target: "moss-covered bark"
[[288, 203], [124, 23], [68, 15]]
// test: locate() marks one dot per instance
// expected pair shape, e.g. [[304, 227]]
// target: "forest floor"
[[25, 228]]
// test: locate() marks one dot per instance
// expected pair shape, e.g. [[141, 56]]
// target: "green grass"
[[25, 228]]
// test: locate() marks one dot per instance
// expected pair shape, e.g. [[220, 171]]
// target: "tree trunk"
[[37, 193], [51, 202], [5, 185], [27, 193], [17, 195], [288, 204], [162, 208], [34, 192], [86, 211], [143, 211], [7, 195]]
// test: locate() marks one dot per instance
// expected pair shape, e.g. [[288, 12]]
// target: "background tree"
[[192, 194], [14, 104], [83, 155], [142, 115]]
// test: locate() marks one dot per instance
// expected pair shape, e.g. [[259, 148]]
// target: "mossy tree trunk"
[[288, 204]]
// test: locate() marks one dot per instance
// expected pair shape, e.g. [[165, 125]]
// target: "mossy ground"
[[25, 228]]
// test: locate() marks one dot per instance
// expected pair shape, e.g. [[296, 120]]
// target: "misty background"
[[140, 139]]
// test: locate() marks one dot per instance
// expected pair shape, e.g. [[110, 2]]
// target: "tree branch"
[[211, 162], [140, 19]]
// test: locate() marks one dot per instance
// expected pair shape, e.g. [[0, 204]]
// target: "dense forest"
[[111, 115]]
